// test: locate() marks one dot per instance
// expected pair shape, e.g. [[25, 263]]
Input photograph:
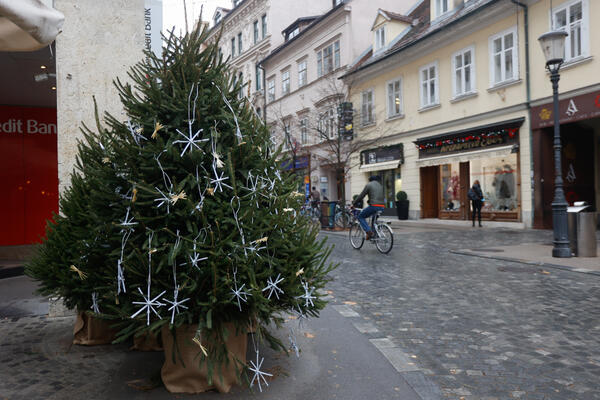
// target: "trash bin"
[[586, 234], [582, 230], [327, 214]]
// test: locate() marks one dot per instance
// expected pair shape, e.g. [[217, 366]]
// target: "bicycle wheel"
[[342, 220], [385, 238], [357, 236]]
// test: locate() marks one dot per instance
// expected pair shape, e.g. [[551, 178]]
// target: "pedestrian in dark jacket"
[[476, 197]]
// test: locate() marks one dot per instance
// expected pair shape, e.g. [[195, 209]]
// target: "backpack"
[[472, 195]]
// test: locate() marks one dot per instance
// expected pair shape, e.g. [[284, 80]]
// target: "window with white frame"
[[271, 90], [258, 77], [285, 82], [302, 73], [394, 96], [232, 47], [255, 31], [463, 68], [304, 131], [367, 110], [441, 7], [328, 58], [429, 85], [240, 43], [263, 21], [380, 38], [572, 18], [504, 57], [327, 125]]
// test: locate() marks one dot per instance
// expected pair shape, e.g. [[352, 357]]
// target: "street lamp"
[[553, 46]]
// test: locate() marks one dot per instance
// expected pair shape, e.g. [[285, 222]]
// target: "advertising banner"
[[28, 172]]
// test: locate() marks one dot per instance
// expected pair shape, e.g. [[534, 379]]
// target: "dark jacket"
[[478, 194], [375, 192]]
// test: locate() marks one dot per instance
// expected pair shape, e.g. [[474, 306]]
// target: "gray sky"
[[173, 14]]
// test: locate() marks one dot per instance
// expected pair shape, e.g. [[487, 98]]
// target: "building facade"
[[249, 30], [305, 96], [465, 91]]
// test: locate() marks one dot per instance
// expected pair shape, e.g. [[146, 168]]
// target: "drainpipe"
[[528, 104]]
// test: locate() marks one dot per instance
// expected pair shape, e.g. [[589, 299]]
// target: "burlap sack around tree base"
[[147, 342], [193, 378], [89, 330]]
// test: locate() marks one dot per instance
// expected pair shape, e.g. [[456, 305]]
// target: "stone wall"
[[99, 42]]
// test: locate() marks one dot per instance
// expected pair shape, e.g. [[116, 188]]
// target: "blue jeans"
[[366, 213]]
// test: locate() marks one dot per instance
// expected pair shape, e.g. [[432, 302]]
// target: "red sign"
[[572, 109], [28, 173]]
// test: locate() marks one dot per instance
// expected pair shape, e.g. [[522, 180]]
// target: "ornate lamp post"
[[553, 46]]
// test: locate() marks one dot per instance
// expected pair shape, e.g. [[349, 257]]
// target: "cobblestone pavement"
[[478, 328]]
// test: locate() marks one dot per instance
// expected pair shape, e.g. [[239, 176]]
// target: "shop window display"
[[450, 184], [498, 178]]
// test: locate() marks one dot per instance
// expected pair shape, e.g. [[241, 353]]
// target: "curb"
[[526, 262]]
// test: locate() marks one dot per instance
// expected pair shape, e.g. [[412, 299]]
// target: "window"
[[304, 131], [217, 18], [429, 85], [328, 58], [302, 73], [241, 82], [327, 125], [380, 38], [394, 96], [258, 78], [293, 33], [441, 7], [232, 47], [463, 77], [337, 2], [285, 82], [504, 57], [255, 31], [367, 107], [220, 53], [236, 2], [264, 25], [571, 17], [271, 90], [240, 43]]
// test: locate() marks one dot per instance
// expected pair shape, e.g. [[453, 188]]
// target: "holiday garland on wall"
[[511, 132], [181, 215]]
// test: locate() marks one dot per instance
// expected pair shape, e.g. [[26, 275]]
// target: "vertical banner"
[[28, 173], [152, 26]]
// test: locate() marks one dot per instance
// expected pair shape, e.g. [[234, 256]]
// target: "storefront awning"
[[28, 25], [379, 166], [463, 157]]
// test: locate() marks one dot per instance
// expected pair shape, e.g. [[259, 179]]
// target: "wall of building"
[[99, 42]]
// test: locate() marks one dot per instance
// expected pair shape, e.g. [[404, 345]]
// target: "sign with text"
[[383, 154], [28, 172], [571, 109], [152, 26]]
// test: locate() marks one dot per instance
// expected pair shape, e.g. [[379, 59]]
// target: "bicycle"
[[311, 211], [383, 237], [343, 217]]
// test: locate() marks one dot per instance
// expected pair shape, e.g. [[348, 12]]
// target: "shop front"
[[385, 161], [300, 165], [580, 143], [450, 163]]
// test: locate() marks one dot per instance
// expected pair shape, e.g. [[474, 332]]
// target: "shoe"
[[479, 225], [370, 235], [473, 223]]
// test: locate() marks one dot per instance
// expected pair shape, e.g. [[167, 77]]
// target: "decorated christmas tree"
[[180, 216]]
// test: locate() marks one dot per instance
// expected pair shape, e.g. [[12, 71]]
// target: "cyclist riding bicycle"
[[376, 203]]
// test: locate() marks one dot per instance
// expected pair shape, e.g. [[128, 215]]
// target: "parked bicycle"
[[383, 237], [343, 216], [312, 211]]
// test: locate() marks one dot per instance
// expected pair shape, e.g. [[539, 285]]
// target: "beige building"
[[465, 92], [304, 91], [250, 29]]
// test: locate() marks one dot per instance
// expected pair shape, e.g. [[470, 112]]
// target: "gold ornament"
[[180, 196], [199, 343], [105, 160], [210, 191], [82, 275], [157, 128], [134, 197]]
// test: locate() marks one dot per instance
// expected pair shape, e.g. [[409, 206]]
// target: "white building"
[[303, 90], [251, 29]]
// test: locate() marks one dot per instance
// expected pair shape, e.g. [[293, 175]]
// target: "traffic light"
[[345, 118]]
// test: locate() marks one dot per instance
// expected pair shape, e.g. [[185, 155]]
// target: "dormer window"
[[236, 2], [380, 38], [217, 18], [293, 33], [441, 7]]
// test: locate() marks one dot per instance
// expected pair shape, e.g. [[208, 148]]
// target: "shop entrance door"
[[430, 192]]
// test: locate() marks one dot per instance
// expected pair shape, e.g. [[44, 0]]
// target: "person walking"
[[376, 203], [476, 196]]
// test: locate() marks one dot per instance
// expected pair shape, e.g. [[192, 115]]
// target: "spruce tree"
[[182, 211]]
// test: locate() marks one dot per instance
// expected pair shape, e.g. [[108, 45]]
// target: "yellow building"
[[460, 87]]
